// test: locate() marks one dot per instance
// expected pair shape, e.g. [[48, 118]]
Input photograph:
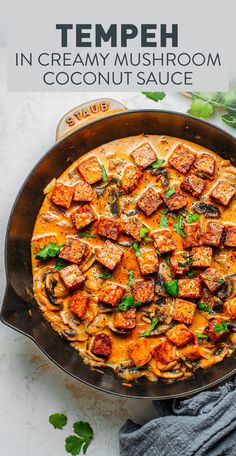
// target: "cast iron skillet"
[[21, 312]]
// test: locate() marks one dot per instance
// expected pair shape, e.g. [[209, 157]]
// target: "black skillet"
[[19, 310]]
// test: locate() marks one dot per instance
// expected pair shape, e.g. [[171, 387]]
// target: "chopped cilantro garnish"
[[104, 173], [157, 164], [220, 328], [201, 336], [190, 274], [86, 235], [131, 278], [143, 233], [164, 219], [106, 275], [154, 322], [178, 226], [219, 281], [58, 420], [169, 192], [192, 217], [172, 287], [136, 248], [203, 306], [60, 264], [126, 303], [49, 251]]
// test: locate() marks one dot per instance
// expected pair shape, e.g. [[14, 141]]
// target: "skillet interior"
[[19, 308]]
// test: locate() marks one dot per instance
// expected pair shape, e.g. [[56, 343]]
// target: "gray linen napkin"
[[202, 425]]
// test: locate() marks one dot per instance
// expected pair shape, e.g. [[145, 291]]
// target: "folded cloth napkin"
[[202, 425]]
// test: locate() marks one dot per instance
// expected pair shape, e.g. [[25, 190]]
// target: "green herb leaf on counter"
[[58, 420], [157, 164], [106, 275], [203, 306], [201, 108], [82, 439], [126, 303], [169, 192], [178, 226], [131, 278], [164, 219], [172, 287], [136, 248], [192, 217], [220, 328], [204, 104], [86, 235], [60, 264], [104, 173], [154, 322], [155, 96], [201, 336], [49, 251]]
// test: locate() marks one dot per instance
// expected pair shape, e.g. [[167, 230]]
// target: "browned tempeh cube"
[[74, 250], [139, 352], [189, 288], [230, 236], [201, 257], [72, 277], [230, 308], [40, 242], [193, 185], [182, 158], [213, 335], [191, 352], [90, 169], [165, 352], [131, 178], [144, 155], [125, 320], [149, 201], [62, 195], [82, 216], [143, 290], [223, 192], [176, 201], [183, 311], [133, 227], [193, 235], [180, 262], [212, 278], [78, 304], [109, 255], [148, 262], [109, 228], [83, 191], [205, 164], [102, 345], [163, 241], [213, 234], [111, 293], [180, 335]]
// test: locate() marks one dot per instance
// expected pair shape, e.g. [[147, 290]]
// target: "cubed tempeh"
[[149, 201], [72, 277], [180, 335], [109, 228], [193, 236], [144, 155], [176, 201], [230, 236], [205, 164], [163, 241], [182, 158], [189, 288], [90, 169], [183, 311], [131, 178], [213, 234], [125, 320], [111, 293], [139, 352], [143, 290], [165, 352], [74, 250], [83, 216], [109, 255], [212, 278], [223, 192], [193, 184], [148, 262], [201, 257], [102, 345], [62, 195], [78, 304], [83, 191]]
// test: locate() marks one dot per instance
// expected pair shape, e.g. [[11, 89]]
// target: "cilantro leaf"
[[106, 275], [136, 248], [143, 234], [153, 325], [172, 287], [58, 420], [126, 303], [188, 262], [82, 439], [220, 328], [229, 120], [49, 251], [73, 445], [201, 336], [155, 96], [203, 306], [192, 217], [219, 281], [131, 278], [157, 164], [104, 173], [164, 219], [60, 264], [178, 226], [202, 104], [169, 192], [190, 274], [86, 235]]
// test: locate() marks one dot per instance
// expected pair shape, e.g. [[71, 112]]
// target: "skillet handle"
[[86, 113], [16, 312]]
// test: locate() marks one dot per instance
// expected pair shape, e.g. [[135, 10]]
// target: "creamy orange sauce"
[[115, 157]]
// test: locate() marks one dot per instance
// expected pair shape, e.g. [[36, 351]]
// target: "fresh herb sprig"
[[164, 219], [84, 234], [106, 275], [50, 250], [126, 303], [131, 279], [104, 173], [136, 248], [154, 322], [58, 420], [172, 287], [61, 264], [75, 443]]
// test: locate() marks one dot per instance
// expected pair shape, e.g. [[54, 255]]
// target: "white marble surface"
[[31, 386]]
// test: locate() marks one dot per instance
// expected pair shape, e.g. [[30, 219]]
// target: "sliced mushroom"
[[118, 331], [50, 281], [209, 210], [214, 359], [162, 174], [97, 325]]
